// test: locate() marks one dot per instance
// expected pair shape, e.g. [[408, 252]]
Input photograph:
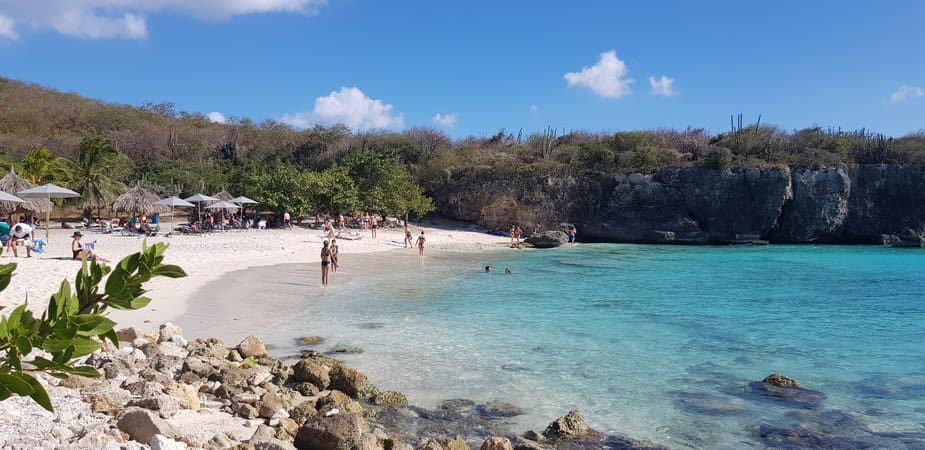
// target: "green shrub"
[[74, 324]]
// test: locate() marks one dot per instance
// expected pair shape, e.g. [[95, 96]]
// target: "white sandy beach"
[[208, 257]]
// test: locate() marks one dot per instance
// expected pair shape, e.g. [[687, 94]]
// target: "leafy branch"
[[74, 323]]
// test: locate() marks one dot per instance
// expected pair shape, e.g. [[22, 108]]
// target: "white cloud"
[[98, 19], [534, 109], [216, 117], [8, 28], [607, 78], [351, 107], [662, 86], [446, 120], [906, 92]]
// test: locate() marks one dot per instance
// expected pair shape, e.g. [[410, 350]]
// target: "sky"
[[472, 68]]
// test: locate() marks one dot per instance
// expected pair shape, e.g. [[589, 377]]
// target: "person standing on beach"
[[287, 220], [325, 262], [420, 243], [374, 223], [513, 230], [335, 250], [408, 239], [340, 221]]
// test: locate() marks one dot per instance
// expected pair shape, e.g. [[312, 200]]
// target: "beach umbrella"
[[242, 200], [172, 202], [200, 198], [47, 191], [14, 183], [137, 200], [5, 197], [223, 205]]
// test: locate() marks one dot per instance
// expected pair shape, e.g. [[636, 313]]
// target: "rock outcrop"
[[844, 204]]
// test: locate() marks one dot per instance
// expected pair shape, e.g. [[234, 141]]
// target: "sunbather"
[[80, 251]]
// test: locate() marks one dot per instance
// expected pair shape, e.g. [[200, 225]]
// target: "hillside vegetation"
[[180, 152]]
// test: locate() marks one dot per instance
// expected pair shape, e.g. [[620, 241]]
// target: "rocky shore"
[[843, 204], [161, 392]]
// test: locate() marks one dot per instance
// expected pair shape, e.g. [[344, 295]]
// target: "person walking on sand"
[[325, 262], [511, 233], [420, 243], [408, 238], [287, 220]]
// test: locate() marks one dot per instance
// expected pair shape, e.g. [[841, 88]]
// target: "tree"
[[386, 185], [280, 189], [39, 166], [95, 173], [74, 323], [332, 190]]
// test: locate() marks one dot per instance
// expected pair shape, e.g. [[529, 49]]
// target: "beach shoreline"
[[208, 258]]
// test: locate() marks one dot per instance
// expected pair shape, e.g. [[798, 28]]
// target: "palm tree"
[[95, 173], [38, 166]]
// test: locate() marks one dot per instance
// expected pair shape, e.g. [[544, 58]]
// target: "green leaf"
[[16, 317], [115, 285], [111, 335], [129, 263], [53, 345], [90, 325], [39, 395], [84, 346], [16, 384], [24, 344], [84, 371], [6, 274], [139, 302], [4, 393], [169, 270]]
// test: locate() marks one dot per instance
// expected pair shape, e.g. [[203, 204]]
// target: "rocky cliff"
[[846, 204]]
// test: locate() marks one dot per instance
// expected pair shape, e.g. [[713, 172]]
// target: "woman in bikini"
[[420, 243], [78, 251], [325, 263]]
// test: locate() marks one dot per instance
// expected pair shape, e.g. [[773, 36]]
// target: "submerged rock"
[[787, 389], [547, 239], [776, 379], [497, 408]]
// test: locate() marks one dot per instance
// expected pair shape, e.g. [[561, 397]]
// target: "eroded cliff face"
[[845, 204]]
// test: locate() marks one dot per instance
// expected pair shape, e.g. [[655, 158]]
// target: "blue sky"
[[475, 67]]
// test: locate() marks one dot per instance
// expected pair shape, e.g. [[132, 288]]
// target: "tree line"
[[331, 168]]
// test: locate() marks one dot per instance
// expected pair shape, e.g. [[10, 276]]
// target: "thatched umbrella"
[[138, 200], [13, 183], [223, 196]]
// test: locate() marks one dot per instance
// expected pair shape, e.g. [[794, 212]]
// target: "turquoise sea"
[[653, 342]]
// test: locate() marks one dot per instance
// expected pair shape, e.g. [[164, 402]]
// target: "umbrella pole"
[[47, 218]]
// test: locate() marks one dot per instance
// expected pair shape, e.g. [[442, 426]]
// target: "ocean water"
[[652, 342]]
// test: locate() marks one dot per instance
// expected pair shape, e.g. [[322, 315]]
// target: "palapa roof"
[[138, 200], [223, 196], [12, 183]]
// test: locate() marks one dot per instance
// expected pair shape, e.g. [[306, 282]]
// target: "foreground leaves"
[[74, 324]]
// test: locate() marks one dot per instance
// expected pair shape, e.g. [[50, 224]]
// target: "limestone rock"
[[345, 348], [776, 379], [252, 346], [167, 332], [341, 431], [187, 395], [349, 381], [106, 399], [497, 443], [498, 408], [269, 404], [311, 340], [273, 444], [303, 411], [129, 334], [141, 425], [389, 398], [313, 372], [570, 426], [548, 239], [457, 443], [220, 441], [160, 442], [208, 348], [339, 400]]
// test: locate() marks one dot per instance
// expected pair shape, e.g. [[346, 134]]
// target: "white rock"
[[333, 411], [179, 340], [168, 331], [274, 422], [139, 342], [139, 355], [161, 442], [261, 376], [280, 414]]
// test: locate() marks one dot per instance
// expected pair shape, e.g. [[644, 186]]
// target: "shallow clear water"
[[655, 342]]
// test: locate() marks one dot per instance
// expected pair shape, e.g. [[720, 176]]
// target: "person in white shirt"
[[21, 231]]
